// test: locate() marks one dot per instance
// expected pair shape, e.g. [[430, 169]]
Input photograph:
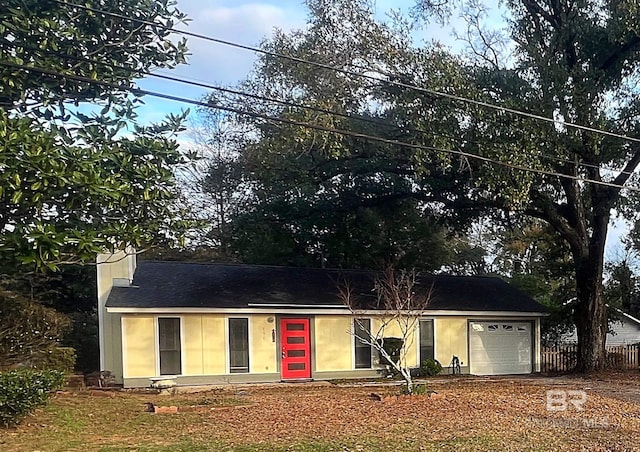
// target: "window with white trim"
[[362, 331], [426, 340], [238, 345], [169, 346]]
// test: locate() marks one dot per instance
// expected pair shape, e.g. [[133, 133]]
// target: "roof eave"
[[306, 310]]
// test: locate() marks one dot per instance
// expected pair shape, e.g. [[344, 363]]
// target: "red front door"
[[296, 348]]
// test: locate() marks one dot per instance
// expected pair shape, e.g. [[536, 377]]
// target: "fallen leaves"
[[462, 415]]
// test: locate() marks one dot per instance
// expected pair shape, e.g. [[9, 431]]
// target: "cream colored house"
[[223, 323]]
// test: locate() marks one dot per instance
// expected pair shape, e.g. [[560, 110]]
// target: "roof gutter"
[[304, 310]]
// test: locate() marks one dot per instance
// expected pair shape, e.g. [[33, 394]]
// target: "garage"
[[500, 347]]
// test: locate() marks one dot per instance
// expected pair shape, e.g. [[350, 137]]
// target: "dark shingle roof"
[[196, 285]]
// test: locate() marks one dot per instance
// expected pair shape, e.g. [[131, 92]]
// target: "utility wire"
[[203, 84], [304, 124], [353, 73]]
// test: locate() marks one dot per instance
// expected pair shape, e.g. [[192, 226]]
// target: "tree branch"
[[621, 52], [629, 168]]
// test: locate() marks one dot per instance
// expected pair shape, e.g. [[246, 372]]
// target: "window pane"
[[295, 340], [169, 346], [426, 340], [238, 345], [295, 326], [361, 328]]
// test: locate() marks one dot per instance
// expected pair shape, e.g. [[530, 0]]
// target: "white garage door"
[[497, 348]]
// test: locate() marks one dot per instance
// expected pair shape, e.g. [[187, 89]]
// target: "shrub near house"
[[30, 335], [21, 391]]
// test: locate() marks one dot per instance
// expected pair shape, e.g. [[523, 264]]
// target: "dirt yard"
[[466, 414]]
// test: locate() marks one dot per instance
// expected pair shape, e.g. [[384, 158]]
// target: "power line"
[[354, 74], [304, 124], [207, 85], [203, 84]]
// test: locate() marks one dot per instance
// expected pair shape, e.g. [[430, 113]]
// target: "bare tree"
[[213, 186], [399, 305]]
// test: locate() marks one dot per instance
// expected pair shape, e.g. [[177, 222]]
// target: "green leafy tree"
[[573, 60], [79, 175], [576, 61], [320, 198], [361, 211]]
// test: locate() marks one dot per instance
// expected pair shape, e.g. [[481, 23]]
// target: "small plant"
[[393, 347], [204, 401], [430, 367], [418, 389], [21, 391]]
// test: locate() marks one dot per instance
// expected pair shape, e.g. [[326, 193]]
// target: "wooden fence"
[[563, 358]]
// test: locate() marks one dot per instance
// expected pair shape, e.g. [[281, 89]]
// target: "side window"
[[238, 345], [426, 340], [169, 346], [362, 329]]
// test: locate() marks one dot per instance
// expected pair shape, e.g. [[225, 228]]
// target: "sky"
[[238, 21], [244, 22], [249, 23]]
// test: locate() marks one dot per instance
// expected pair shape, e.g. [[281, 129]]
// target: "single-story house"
[[207, 323], [625, 330]]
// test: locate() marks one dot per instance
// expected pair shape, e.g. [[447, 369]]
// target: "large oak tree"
[[576, 61]]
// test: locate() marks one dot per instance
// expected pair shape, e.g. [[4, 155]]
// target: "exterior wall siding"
[[333, 345], [623, 332], [262, 345], [393, 329], [139, 348], [450, 339], [214, 333], [204, 342], [193, 347], [110, 267], [204, 346], [626, 332]]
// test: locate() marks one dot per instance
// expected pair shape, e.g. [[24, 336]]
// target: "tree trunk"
[[590, 314], [591, 325]]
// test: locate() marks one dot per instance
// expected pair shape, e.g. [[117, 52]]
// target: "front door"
[[296, 348]]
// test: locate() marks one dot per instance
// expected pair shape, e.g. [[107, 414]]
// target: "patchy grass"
[[472, 415]]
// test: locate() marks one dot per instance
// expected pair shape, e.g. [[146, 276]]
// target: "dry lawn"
[[471, 415]]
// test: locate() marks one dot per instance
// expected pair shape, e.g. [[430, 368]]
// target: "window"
[[362, 329], [169, 346], [426, 340], [238, 346]]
